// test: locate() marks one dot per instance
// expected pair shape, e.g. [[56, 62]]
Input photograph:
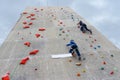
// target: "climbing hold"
[[86, 39], [32, 14], [78, 26], [91, 54], [111, 72], [30, 23], [102, 68], [70, 60], [95, 48], [24, 60], [35, 8], [24, 12], [22, 38], [104, 62], [98, 46], [41, 29], [92, 41], [24, 22], [67, 35], [102, 56], [68, 30], [91, 46], [63, 38], [84, 58], [26, 27], [30, 33], [83, 70], [78, 74], [61, 22], [27, 44], [28, 17], [112, 55], [41, 9], [90, 37], [33, 18], [6, 77], [115, 69], [78, 64], [60, 34], [63, 31], [41, 36], [95, 40], [37, 35], [35, 69], [33, 52]]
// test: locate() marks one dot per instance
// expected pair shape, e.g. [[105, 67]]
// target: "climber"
[[74, 47], [84, 27]]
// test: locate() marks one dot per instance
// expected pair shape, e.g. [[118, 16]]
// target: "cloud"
[[99, 3]]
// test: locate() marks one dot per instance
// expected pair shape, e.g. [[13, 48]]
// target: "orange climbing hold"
[[26, 27], [34, 52], [6, 77], [41, 29], [37, 35], [78, 74], [30, 23], [24, 60], [27, 44]]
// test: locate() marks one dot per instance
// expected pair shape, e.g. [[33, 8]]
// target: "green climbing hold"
[[60, 34], [102, 68], [84, 58], [115, 69], [112, 55]]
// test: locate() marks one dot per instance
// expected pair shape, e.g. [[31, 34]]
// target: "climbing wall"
[[44, 31]]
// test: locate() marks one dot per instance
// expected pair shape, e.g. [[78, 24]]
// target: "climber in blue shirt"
[[74, 47]]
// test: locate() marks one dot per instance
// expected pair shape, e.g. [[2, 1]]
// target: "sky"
[[104, 15]]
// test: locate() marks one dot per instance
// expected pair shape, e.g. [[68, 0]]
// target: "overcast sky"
[[102, 14]]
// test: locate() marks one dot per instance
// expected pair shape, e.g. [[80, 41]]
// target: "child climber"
[[74, 47], [84, 27]]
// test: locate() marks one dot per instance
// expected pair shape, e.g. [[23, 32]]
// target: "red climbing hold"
[[24, 22], [32, 14], [41, 29], [35, 8], [30, 23], [24, 60], [91, 46], [27, 44], [95, 40], [35, 51], [104, 62], [111, 72], [6, 77], [61, 23], [33, 18], [26, 27], [24, 12], [37, 35], [28, 17]]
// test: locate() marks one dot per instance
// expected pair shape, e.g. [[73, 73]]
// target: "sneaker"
[[73, 54], [79, 58]]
